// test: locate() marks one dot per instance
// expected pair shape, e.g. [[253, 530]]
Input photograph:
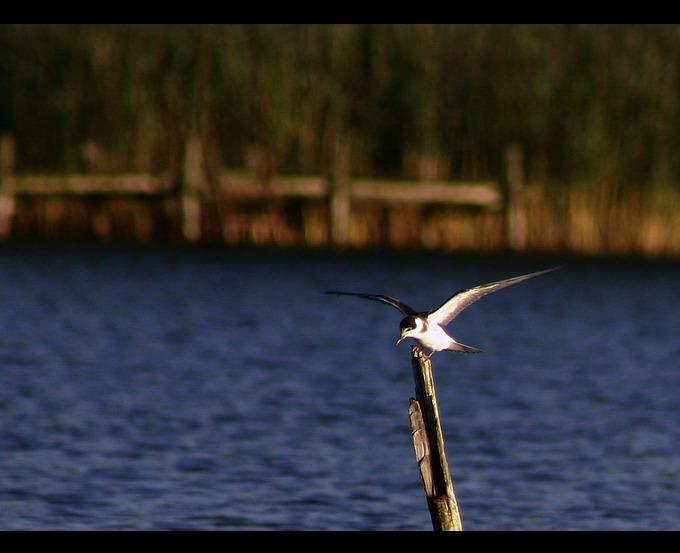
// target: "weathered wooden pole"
[[339, 194], [192, 186], [428, 441], [516, 209], [7, 203]]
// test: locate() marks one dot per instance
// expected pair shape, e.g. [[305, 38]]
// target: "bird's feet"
[[419, 351]]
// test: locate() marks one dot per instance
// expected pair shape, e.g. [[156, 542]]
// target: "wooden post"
[[192, 184], [429, 444], [7, 203], [339, 194], [516, 209]]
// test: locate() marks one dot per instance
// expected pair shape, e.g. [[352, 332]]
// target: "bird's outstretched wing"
[[452, 307], [401, 306]]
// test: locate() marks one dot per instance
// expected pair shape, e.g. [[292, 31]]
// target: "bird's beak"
[[401, 337]]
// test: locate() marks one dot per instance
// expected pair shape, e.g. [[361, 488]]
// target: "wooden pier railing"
[[338, 190]]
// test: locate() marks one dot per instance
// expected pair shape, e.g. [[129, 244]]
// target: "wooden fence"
[[194, 193]]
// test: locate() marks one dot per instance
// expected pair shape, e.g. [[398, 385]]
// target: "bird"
[[427, 327]]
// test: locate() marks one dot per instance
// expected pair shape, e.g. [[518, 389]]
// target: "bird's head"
[[409, 327]]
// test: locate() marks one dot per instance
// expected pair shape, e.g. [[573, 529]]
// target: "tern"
[[427, 327]]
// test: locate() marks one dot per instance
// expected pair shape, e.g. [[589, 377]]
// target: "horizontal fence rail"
[[83, 184], [483, 194]]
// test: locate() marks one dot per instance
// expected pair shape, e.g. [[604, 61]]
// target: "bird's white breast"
[[434, 338]]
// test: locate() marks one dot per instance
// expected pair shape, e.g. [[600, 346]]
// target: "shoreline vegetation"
[[593, 109], [131, 219], [579, 220]]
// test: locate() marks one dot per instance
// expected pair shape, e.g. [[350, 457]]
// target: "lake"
[[219, 389]]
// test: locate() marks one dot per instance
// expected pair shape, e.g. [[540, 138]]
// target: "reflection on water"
[[150, 389]]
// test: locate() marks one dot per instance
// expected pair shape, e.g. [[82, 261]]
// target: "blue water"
[[176, 389]]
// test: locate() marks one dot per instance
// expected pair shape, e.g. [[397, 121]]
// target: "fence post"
[[7, 202], [430, 448], [516, 208], [340, 193], [192, 185]]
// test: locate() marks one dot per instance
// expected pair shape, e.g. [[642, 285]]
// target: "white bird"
[[427, 326]]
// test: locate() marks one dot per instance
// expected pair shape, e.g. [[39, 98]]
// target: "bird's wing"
[[401, 306], [452, 307]]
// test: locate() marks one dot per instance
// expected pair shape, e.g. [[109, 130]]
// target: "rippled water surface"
[[174, 389]]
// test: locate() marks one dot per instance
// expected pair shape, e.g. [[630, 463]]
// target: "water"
[[170, 389]]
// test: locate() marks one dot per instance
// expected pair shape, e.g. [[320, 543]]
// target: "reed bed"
[[595, 109]]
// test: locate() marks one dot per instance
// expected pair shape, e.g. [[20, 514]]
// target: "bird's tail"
[[455, 346]]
